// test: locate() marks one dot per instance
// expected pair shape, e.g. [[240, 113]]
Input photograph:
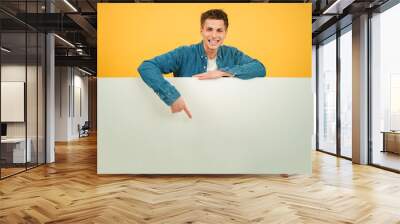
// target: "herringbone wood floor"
[[70, 191]]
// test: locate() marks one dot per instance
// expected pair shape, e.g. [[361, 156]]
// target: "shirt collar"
[[203, 54]]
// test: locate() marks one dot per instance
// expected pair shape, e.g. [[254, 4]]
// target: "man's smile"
[[213, 42]]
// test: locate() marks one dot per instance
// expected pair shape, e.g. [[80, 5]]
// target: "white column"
[[50, 100], [50, 92], [360, 90]]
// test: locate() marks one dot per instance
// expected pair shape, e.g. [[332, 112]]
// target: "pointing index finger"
[[187, 111]]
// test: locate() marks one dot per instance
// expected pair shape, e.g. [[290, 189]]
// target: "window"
[[346, 93], [327, 95], [385, 88]]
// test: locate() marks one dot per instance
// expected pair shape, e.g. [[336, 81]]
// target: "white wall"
[[13, 101], [69, 82], [81, 84], [15, 72], [62, 83], [9, 73]]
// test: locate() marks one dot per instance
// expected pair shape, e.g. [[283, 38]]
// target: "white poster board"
[[12, 101], [258, 126]]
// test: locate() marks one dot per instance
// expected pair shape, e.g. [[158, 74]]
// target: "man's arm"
[[152, 72], [245, 67]]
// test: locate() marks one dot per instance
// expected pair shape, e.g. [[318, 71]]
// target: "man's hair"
[[218, 14]]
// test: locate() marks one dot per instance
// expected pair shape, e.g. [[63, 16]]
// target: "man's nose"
[[214, 34]]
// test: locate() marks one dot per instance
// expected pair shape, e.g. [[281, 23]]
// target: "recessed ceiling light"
[[5, 50], [338, 6], [71, 6], [84, 71], [64, 40]]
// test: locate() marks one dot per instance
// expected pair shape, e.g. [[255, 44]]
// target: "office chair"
[[84, 130]]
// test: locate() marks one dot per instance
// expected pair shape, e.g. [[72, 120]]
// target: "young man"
[[208, 59]]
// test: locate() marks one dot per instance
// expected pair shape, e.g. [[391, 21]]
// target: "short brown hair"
[[218, 14]]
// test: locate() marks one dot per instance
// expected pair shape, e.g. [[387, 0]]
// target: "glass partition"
[[13, 109], [22, 88]]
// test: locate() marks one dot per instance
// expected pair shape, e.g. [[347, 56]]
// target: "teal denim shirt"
[[187, 61]]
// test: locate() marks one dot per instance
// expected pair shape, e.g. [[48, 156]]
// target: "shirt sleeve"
[[245, 67], [152, 72]]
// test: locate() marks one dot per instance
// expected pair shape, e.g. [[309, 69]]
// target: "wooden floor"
[[387, 159], [70, 191], [5, 172]]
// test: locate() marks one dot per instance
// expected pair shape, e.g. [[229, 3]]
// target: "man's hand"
[[180, 105], [212, 75]]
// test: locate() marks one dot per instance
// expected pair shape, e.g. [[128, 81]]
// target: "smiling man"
[[208, 59]]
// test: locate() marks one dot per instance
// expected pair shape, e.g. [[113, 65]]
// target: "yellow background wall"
[[279, 35]]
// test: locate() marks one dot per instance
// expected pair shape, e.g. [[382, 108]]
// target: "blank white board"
[[12, 101], [258, 126]]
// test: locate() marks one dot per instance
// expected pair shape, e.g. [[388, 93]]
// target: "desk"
[[391, 141], [15, 148]]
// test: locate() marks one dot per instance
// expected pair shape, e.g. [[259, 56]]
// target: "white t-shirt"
[[212, 64]]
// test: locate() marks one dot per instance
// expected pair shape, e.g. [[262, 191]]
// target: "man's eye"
[[209, 29]]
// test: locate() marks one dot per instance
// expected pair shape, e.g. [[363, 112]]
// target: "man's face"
[[213, 33]]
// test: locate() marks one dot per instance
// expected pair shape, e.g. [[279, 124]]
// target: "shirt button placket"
[[205, 64]]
